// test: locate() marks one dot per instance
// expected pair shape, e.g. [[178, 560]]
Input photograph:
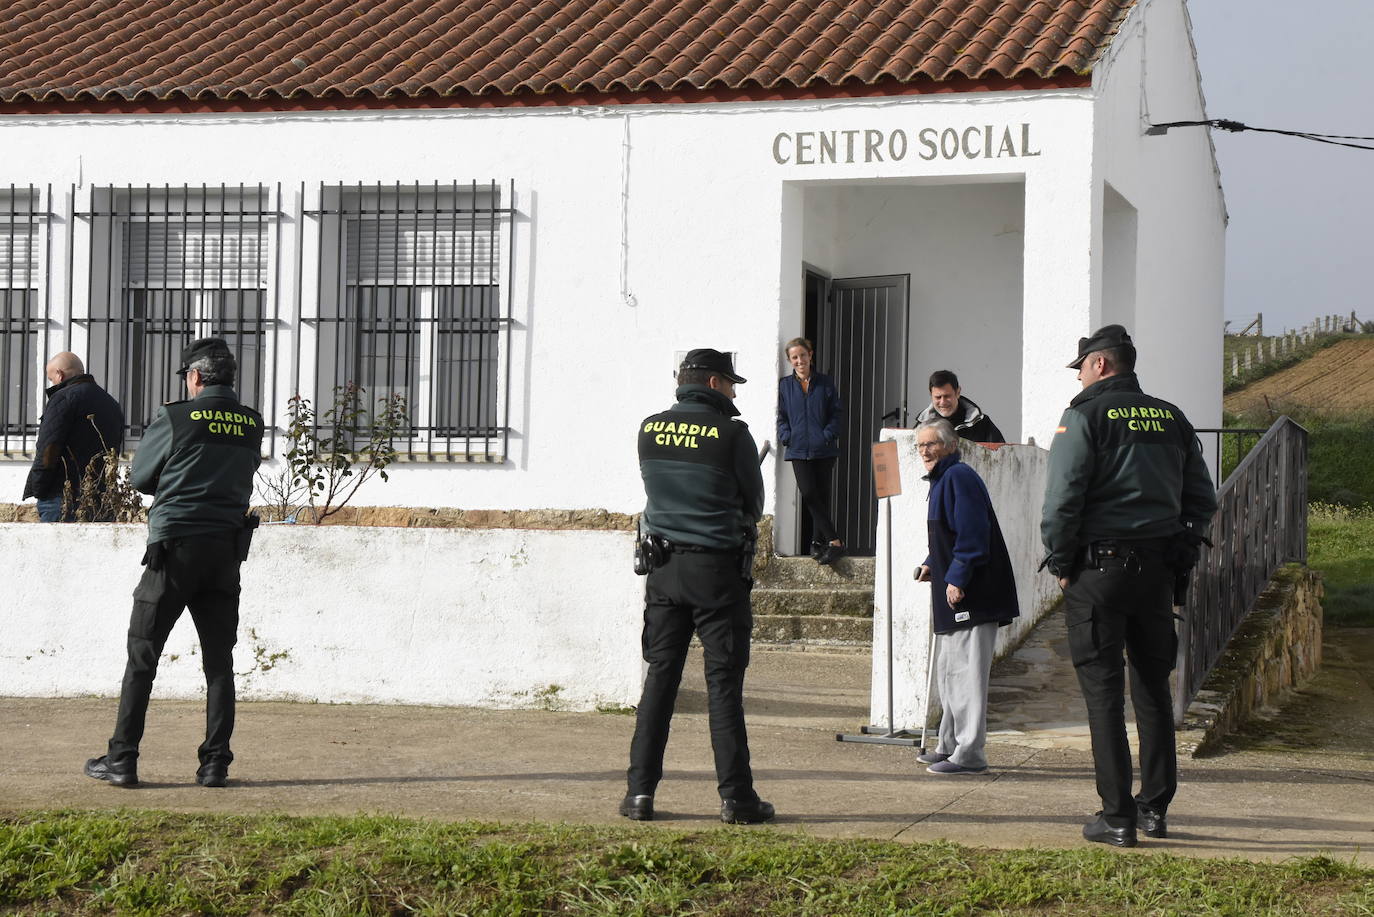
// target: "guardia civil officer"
[[198, 458], [1127, 504], [705, 495]]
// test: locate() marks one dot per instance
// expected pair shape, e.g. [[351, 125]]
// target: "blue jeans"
[[50, 509]]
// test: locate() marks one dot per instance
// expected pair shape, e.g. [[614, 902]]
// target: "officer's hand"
[[953, 594], [1063, 582], [922, 574]]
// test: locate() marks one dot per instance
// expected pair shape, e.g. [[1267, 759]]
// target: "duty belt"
[[675, 548]]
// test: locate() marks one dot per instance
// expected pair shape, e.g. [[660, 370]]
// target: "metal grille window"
[[420, 309], [24, 312], [169, 265]]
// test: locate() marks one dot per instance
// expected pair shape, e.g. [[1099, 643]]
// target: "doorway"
[[860, 326]]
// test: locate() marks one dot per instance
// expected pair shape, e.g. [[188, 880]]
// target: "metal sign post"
[[887, 483]]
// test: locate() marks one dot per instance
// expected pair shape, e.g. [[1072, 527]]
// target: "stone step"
[[803, 571], [813, 630], [848, 601]]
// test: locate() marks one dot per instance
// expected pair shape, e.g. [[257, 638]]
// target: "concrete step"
[[803, 571], [845, 600], [813, 630]]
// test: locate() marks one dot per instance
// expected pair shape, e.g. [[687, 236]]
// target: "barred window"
[[419, 309], [179, 264], [23, 315]]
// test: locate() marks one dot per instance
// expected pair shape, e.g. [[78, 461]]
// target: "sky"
[[1300, 242]]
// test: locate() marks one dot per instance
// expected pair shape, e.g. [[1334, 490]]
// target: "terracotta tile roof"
[[54, 51]]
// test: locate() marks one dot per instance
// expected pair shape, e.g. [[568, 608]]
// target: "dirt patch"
[[1337, 380]]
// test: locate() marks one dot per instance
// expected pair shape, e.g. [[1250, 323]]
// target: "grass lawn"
[[156, 863], [1340, 543]]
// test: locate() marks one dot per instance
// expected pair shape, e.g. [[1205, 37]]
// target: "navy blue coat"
[[966, 550], [809, 423], [80, 421]]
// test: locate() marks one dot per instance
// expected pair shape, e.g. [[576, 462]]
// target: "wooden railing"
[[1260, 525]]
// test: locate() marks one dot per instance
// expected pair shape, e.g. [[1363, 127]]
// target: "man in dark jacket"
[[198, 458], [973, 592], [1128, 501], [705, 495], [947, 401], [81, 421]]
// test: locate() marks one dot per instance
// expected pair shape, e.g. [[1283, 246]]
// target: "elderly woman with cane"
[[973, 592]]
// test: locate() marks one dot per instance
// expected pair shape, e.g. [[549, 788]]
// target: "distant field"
[[1336, 380]]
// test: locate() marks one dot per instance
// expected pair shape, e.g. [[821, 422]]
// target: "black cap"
[[203, 347], [1104, 338], [712, 361]]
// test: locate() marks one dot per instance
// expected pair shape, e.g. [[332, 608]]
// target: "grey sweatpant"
[[964, 659]]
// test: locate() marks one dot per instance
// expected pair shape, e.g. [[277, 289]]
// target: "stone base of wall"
[[1278, 646]]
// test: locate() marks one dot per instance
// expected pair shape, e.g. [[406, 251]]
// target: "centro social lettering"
[[669, 433], [978, 141]]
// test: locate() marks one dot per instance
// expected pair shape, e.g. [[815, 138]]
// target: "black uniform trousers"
[[701, 592], [200, 572], [813, 483], [1126, 605]]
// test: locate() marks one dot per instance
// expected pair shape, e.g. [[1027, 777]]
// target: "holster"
[[651, 552], [243, 539], [746, 557]]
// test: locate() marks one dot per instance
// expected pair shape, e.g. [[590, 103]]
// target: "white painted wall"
[[488, 618], [1172, 183], [1015, 478], [643, 231], [646, 230]]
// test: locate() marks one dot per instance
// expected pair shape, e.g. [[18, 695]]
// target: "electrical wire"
[[1236, 126]]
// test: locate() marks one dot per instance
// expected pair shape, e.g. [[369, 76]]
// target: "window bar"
[[405, 334], [112, 382], [7, 370], [506, 311], [319, 304], [449, 337], [271, 312], [420, 326], [353, 338], [473, 405], [47, 279]]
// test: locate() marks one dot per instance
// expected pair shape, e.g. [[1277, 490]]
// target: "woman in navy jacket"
[[973, 593], [810, 416]]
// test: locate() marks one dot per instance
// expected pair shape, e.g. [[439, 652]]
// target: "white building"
[[521, 219]]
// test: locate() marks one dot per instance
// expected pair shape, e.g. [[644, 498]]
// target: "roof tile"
[[142, 50]]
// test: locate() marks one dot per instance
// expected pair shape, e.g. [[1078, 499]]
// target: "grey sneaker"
[[949, 768], [932, 757]]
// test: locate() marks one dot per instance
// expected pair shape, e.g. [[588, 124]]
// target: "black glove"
[[1183, 552]]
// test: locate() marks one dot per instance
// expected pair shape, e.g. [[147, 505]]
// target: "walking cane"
[[930, 679]]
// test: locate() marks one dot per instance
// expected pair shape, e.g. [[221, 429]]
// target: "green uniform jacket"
[[198, 458], [1122, 465], [701, 472]]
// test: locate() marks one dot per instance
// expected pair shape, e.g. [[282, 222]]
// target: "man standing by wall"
[[198, 458], [80, 422], [705, 496], [947, 401], [1127, 504]]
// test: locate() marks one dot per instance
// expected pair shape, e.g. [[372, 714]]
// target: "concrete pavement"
[[1261, 801]]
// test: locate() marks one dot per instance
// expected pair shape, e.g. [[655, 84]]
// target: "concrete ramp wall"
[[1015, 477], [481, 617]]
